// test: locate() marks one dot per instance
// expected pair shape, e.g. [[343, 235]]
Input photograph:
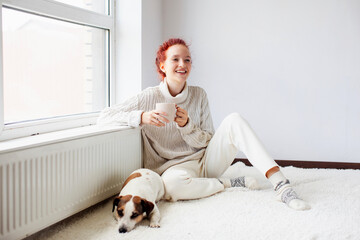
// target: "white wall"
[[291, 68], [151, 39], [138, 35], [128, 49]]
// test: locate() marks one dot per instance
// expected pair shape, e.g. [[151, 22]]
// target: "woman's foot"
[[284, 191], [247, 182], [287, 195]]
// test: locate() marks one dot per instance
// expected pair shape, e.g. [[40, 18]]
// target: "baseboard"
[[308, 164]]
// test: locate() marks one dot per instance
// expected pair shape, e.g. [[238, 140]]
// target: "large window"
[[56, 61]]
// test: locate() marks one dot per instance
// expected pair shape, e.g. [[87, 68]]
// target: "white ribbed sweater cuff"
[[135, 118]]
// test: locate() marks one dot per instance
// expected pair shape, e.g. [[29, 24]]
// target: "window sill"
[[59, 136], [43, 126]]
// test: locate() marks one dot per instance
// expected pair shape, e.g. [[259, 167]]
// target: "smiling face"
[[177, 65]]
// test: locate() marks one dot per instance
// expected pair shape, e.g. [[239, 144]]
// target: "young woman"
[[188, 153]]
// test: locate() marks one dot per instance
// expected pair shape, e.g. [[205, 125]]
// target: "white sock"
[[248, 182], [285, 193], [276, 178]]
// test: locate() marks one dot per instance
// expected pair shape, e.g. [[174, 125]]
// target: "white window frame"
[[65, 12]]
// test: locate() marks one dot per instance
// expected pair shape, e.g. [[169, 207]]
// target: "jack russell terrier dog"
[[137, 199]]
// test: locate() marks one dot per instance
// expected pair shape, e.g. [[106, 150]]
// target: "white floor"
[[240, 213]]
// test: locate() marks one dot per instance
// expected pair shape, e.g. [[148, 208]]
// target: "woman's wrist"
[[185, 123]]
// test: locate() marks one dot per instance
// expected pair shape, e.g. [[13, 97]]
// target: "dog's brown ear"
[[116, 202], [147, 206], [121, 200]]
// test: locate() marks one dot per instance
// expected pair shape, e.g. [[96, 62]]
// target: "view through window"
[[51, 67]]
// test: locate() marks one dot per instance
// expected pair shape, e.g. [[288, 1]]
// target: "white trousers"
[[198, 179]]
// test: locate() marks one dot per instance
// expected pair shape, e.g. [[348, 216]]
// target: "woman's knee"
[[235, 118], [174, 180]]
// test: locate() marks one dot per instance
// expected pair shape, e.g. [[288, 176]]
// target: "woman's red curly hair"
[[161, 53]]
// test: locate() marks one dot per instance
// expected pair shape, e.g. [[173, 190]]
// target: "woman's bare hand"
[[154, 118], [182, 116]]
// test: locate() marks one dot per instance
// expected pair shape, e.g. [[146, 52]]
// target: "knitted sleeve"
[[199, 136], [127, 113]]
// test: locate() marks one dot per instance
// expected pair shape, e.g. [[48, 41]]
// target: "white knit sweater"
[[169, 145]]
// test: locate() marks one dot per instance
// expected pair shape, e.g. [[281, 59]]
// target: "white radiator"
[[42, 185]]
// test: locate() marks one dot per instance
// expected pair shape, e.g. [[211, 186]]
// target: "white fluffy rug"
[[240, 213]]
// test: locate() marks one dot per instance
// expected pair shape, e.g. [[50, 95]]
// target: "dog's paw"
[[154, 225]]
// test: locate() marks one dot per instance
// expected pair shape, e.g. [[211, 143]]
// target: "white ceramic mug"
[[169, 108]]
